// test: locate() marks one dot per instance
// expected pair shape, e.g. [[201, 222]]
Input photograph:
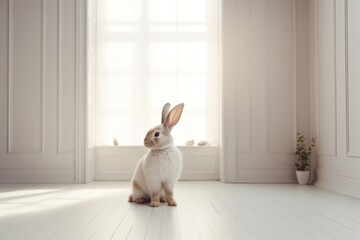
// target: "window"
[[150, 52]]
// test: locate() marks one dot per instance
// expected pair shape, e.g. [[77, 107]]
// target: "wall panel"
[[327, 129], [39, 72], [281, 79], [25, 76], [50, 75], [338, 126], [67, 76], [353, 78], [4, 62], [257, 39], [261, 69], [240, 69]]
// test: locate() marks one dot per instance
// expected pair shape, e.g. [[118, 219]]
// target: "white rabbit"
[[157, 171]]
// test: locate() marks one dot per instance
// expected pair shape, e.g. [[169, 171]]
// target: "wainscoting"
[[42, 91], [336, 85], [266, 97]]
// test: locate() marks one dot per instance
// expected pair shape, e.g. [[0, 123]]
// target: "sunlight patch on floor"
[[16, 202]]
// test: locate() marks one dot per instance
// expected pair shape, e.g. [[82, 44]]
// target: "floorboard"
[[206, 210]]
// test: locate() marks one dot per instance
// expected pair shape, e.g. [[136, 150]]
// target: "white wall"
[[266, 91], [266, 88], [42, 91], [336, 80]]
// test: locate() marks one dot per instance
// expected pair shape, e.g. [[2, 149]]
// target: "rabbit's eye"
[[157, 134]]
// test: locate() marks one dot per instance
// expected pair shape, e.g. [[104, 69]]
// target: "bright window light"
[[150, 52]]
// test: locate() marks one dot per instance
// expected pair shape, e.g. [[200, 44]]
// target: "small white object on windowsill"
[[202, 143], [190, 142]]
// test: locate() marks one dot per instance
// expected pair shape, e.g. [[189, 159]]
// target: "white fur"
[[157, 171], [156, 168]]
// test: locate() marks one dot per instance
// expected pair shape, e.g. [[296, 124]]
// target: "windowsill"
[[119, 162], [139, 146]]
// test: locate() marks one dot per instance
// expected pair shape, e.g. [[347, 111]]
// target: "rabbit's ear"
[[174, 116], [165, 112]]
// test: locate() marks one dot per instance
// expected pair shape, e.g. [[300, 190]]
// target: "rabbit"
[[159, 169]]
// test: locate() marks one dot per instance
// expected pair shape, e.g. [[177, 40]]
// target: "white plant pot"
[[303, 177]]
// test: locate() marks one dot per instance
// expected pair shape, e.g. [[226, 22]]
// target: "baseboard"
[[37, 175], [338, 182], [261, 174], [119, 163]]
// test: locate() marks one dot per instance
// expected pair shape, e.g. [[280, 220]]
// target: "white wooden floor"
[[206, 210]]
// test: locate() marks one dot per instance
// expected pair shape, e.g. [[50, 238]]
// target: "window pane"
[[150, 52], [191, 10], [155, 118], [192, 89], [192, 57], [119, 126], [191, 126], [119, 56], [162, 89], [119, 91], [162, 56], [122, 10], [162, 10]]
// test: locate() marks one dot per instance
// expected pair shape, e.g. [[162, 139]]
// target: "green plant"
[[303, 152]]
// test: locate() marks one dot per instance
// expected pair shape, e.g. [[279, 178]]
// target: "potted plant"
[[303, 162]]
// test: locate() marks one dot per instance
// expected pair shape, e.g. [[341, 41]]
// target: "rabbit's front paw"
[[172, 202], [154, 204], [140, 201]]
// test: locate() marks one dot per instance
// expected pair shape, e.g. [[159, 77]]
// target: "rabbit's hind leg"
[[169, 194], [138, 195]]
